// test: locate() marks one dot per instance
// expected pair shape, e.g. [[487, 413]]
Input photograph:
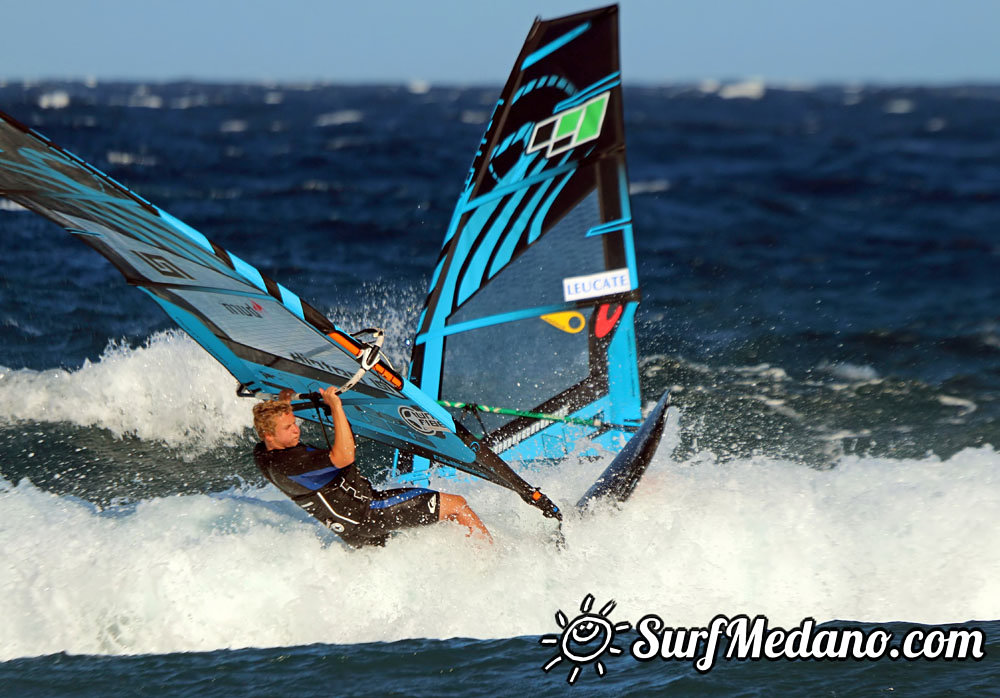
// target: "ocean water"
[[820, 293]]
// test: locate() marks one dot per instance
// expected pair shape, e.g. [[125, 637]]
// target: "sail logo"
[[420, 420], [570, 128], [162, 265], [604, 324], [253, 309], [569, 321], [605, 283]]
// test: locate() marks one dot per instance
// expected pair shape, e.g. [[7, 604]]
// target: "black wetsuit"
[[342, 498]]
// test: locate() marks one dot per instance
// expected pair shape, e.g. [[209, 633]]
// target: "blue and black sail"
[[532, 300], [266, 336]]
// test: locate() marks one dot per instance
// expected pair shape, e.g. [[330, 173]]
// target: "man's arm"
[[342, 453]]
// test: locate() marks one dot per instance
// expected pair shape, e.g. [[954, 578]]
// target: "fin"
[[619, 479]]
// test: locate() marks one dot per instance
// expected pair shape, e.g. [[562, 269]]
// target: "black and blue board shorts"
[[391, 510]]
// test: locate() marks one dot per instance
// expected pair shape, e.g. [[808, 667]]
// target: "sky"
[[475, 41]]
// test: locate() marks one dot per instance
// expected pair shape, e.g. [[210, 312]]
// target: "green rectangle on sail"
[[568, 122], [592, 118]]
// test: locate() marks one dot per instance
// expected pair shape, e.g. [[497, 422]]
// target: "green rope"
[[522, 413]]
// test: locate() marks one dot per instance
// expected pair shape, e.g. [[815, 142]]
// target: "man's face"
[[286, 432]]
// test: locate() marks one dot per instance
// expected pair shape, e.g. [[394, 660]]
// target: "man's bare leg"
[[455, 508]]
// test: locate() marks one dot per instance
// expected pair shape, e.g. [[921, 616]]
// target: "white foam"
[[748, 89], [652, 186], [141, 97], [418, 87], [871, 540], [233, 126], [58, 99], [850, 372], [146, 101], [899, 106], [346, 142], [967, 406], [169, 390], [338, 118], [760, 371], [796, 86], [936, 124], [474, 116], [779, 406], [119, 157], [709, 86], [190, 101], [8, 205]]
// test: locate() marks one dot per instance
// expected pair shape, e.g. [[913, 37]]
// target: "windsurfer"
[[327, 484]]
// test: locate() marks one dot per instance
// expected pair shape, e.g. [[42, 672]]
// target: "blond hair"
[[266, 413]]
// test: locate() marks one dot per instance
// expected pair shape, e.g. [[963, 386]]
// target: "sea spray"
[[871, 540], [168, 389]]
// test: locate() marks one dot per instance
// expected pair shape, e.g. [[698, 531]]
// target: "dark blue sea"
[[819, 270]]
